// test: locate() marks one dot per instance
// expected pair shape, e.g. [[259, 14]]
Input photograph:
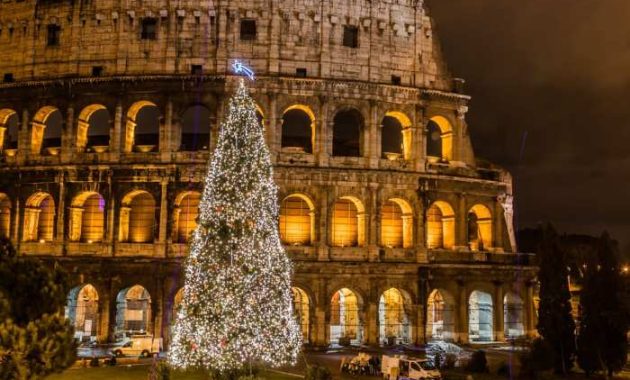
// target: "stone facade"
[[395, 70]]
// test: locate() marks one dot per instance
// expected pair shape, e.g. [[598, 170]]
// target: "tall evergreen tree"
[[237, 307], [35, 339], [555, 323]]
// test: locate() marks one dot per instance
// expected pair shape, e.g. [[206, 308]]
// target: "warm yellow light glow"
[[39, 218], [446, 130], [301, 307], [296, 220], [5, 216], [405, 122], [344, 315], [38, 126], [393, 318], [5, 114], [186, 213], [480, 228], [130, 129], [87, 218], [137, 217], [84, 124], [440, 226], [348, 223], [391, 225]]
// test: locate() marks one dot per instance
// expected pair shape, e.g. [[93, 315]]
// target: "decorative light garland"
[[237, 306]]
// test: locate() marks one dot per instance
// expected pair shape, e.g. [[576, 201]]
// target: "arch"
[[137, 217], [480, 321], [133, 310], [93, 128], [260, 115], [348, 129], [5, 216], [298, 129], [394, 325], [9, 125], [87, 218], [479, 228], [185, 215], [513, 315], [440, 138], [39, 218], [46, 131], [82, 311], [346, 326], [297, 220], [348, 222], [195, 129], [142, 131], [440, 226], [396, 224], [396, 136], [302, 310], [440, 315]]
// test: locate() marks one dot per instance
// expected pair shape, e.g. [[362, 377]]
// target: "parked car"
[[138, 345], [401, 367]]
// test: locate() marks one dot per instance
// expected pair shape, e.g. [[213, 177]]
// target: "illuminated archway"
[[297, 220], [185, 215], [440, 226], [82, 311], [87, 218], [396, 224], [142, 130], [348, 129], [137, 218], [195, 129], [396, 135], [133, 310], [39, 218], [346, 326], [440, 315], [394, 325], [480, 320], [348, 223], [9, 125], [513, 316], [298, 129], [5, 216], [302, 310], [479, 228], [93, 129], [46, 131], [440, 138]]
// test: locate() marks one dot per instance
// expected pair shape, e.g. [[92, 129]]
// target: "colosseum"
[[109, 112]]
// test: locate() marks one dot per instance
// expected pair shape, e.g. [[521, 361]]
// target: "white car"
[[144, 346], [400, 367]]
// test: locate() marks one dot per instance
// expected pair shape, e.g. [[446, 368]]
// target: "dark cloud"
[[552, 76]]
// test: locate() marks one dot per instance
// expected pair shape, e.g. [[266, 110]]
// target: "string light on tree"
[[237, 307]]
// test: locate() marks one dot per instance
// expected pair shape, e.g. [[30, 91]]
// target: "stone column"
[[322, 148], [116, 133], [74, 224], [274, 128], [461, 222], [61, 207], [68, 136], [15, 219], [371, 319], [462, 314], [104, 311], [163, 211], [371, 222], [325, 219], [372, 137], [499, 323], [111, 220], [24, 137], [530, 311], [322, 328], [158, 311], [166, 129], [499, 218]]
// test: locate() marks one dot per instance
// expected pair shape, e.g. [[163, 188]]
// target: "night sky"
[[550, 81]]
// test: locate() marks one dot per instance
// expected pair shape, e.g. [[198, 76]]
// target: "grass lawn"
[[139, 372]]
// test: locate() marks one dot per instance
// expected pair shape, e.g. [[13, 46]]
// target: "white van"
[[400, 367], [138, 345]]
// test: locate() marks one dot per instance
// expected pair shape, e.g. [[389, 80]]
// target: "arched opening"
[[260, 116], [440, 138], [298, 129], [440, 316], [297, 220], [133, 310], [39, 218], [9, 125], [82, 311], [345, 325], [46, 131], [143, 128], [394, 326], [391, 138], [93, 129], [396, 224], [185, 215], [195, 129], [5, 216], [479, 228], [513, 316], [440, 226], [302, 310], [480, 323], [137, 217], [347, 133], [87, 218], [348, 223]]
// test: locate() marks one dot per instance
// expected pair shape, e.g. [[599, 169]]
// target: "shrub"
[[478, 362], [538, 359], [315, 372]]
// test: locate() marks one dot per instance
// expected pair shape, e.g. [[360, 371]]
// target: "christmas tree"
[[237, 307]]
